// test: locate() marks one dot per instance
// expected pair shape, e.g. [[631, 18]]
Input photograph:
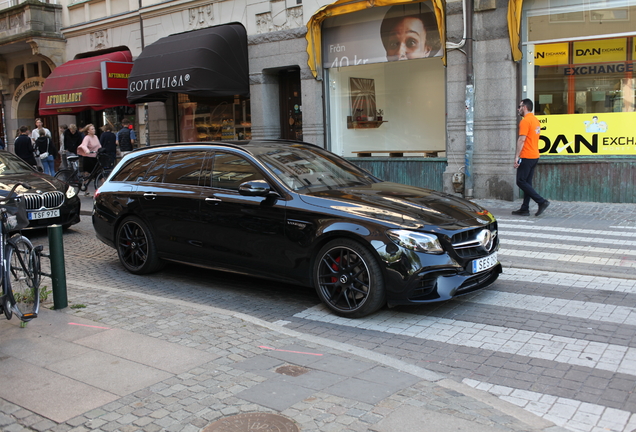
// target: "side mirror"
[[255, 188]]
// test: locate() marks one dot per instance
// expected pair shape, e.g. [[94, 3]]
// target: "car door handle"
[[150, 195], [212, 199]]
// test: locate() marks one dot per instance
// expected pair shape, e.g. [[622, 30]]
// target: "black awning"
[[208, 62]]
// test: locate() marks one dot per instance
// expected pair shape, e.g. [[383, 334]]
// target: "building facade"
[[331, 74]]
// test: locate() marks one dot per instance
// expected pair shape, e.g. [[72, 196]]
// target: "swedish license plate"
[[45, 214], [482, 264]]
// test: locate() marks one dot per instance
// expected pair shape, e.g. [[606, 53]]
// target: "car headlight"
[[427, 243], [70, 192]]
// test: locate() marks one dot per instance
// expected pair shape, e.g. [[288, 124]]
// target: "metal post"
[[58, 271]]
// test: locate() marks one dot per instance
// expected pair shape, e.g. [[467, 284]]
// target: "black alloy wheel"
[[348, 279], [136, 247]]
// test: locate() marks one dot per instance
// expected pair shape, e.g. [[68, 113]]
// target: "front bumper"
[[69, 215], [413, 277]]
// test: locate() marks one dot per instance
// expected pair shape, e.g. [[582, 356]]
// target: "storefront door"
[[291, 125]]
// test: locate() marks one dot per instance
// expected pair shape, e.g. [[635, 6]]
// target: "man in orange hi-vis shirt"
[[526, 158]]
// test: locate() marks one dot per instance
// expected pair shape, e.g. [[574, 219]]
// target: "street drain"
[[261, 422], [292, 370]]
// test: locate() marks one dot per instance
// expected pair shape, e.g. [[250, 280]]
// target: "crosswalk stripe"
[[568, 258], [568, 413], [556, 306], [505, 234], [570, 280], [561, 246], [618, 233], [610, 357]]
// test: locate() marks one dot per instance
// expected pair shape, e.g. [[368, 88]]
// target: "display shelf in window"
[[364, 124]]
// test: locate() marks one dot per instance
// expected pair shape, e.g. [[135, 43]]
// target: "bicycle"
[[20, 270], [74, 178]]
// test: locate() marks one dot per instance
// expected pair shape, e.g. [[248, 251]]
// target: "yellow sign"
[[551, 54], [599, 51], [64, 98], [588, 134]]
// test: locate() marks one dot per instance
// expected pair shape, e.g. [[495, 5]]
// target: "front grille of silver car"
[[46, 200], [466, 245]]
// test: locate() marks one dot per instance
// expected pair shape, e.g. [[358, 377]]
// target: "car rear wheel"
[[348, 279], [136, 247]]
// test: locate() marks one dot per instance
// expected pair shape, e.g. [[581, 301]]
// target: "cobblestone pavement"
[[552, 342]]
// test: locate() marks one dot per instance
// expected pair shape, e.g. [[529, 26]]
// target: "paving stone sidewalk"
[[151, 363], [244, 365]]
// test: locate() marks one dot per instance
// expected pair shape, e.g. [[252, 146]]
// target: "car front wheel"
[[136, 247], [348, 279]]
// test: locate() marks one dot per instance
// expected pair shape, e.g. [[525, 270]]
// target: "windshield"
[[11, 164], [309, 169]]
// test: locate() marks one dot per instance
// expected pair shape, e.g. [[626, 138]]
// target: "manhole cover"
[[261, 422], [292, 370]]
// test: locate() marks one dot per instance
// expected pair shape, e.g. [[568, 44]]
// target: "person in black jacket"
[[24, 147], [108, 142], [72, 139], [45, 144]]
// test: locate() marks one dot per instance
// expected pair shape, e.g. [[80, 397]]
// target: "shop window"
[[386, 86], [595, 77], [583, 85], [213, 119], [388, 106]]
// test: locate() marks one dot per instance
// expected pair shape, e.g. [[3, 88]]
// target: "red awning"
[[77, 86]]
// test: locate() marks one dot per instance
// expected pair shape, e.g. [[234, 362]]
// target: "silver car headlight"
[[427, 243], [70, 192]]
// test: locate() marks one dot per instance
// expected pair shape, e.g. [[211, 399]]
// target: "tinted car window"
[[230, 170], [135, 170], [312, 170], [185, 167], [155, 172]]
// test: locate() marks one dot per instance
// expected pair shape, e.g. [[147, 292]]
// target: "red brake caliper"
[[336, 267]]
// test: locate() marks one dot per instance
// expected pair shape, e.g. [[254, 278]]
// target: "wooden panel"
[[611, 181], [421, 172], [591, 180]]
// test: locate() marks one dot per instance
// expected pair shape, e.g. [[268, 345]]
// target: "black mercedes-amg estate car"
[[295, 212]]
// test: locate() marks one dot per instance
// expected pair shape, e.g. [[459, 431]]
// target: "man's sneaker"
[[521, 212], [544, 205]]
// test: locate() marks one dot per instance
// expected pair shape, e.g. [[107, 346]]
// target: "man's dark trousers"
[[525, 172]]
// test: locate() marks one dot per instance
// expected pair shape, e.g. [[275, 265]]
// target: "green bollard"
[[58, 271]]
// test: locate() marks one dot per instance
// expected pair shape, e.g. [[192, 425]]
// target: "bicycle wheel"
[[24, 277], [100, 179], [69, 177]]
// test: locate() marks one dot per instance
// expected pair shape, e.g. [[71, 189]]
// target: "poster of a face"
[[378, 35]]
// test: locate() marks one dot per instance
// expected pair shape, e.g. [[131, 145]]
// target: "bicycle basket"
[[16, 216], [105, 160]]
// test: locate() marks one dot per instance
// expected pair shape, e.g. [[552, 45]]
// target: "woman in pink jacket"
[[88, 148]]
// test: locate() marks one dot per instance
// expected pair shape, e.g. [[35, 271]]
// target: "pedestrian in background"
[[526, 159], [63, 162], [47, 152], [125, 137], [108, 140], [72, 139], [38, 127], [23, 147]]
